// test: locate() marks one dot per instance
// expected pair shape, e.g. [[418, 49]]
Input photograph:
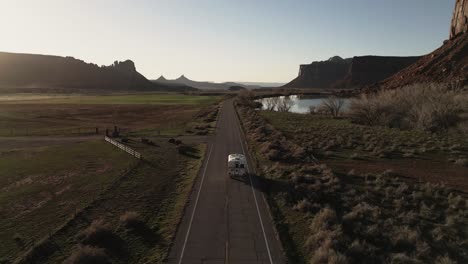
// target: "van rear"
[[236, 165]]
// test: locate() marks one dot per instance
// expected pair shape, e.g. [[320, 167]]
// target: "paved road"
[[227, 220]]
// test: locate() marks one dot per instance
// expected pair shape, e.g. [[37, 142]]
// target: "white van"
[[237, 165]]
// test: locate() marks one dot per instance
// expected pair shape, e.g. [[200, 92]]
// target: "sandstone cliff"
[[447, 64], [23, 71], [321, 74], [365, 70], [460, 18], [349, 73]]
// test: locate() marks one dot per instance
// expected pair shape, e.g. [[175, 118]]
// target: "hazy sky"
[[223, 40]]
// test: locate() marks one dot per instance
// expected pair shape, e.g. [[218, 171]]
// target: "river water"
[[302, 103]]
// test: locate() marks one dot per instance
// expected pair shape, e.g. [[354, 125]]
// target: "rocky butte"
[[44, 72], [358, 71]]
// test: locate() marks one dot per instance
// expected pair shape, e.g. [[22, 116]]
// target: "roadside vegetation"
[[426, 107], [342, 192]]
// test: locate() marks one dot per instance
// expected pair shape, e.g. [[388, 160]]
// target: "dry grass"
[[87, 255], [98, 233], [131, 219]]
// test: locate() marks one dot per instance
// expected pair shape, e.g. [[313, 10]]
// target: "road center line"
[[255, 197], [195, 206]]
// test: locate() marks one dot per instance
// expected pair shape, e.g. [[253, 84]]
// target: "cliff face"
[[349, 73], [321, 74], [51, 72], [447, 64], [460, 18], [367, 70]]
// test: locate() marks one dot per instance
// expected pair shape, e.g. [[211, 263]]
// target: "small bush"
[[284, 104], [445, 260], [462, 162], [332, 106], [304, 205], [98, 233], [19, 241], [401, 258], [246, 98], [327, 255], [131, 219], [404, 238], [87, 255]]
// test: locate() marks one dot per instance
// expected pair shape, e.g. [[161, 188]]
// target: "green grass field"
[[57, 175], [142, 114], [144, 98], [50, 194], [43, 187]]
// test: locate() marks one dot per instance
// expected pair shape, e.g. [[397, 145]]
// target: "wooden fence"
[[123, 147]]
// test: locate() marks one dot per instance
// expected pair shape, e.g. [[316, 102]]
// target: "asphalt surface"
[[227, 220]]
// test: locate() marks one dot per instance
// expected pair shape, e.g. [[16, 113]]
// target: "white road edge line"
[[255, 198], [195, 206]]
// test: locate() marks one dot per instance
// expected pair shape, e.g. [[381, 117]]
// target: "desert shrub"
[[428, 107], [284, 104], [98, 233], [246, 98], [401, 258], [326, 255], [19, 240], [326, 236], [462, 162], [271, 103], [332, 106], [40, 250], [404, 238], [303, 205], [369, 218], [445, 260], [312, 109], [86, 255], [131, 219]]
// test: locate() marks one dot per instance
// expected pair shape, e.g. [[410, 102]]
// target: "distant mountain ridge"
[[33, 71], [358, 71], [263, 84], [182, 80]]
